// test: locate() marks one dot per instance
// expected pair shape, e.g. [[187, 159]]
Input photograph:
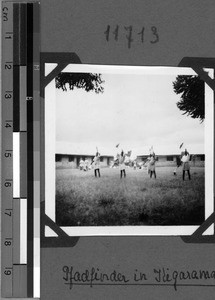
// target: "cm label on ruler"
[[5, 14]]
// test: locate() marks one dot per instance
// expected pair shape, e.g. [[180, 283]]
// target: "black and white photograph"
[[130, 148]]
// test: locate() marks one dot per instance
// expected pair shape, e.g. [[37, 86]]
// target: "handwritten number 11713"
[[130, 34]]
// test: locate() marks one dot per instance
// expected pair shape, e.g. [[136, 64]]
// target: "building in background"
[[73, 160], [170, 159], [64, 160]]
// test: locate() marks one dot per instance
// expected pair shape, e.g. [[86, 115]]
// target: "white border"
[[16, 165], [209, 150], [50, 111], [23, 231]]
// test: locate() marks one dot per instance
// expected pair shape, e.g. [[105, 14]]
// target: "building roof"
[[90, 149]]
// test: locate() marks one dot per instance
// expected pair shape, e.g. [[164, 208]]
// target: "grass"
[[83, 200]]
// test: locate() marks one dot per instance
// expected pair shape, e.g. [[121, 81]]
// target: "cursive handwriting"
[[92, 276], [164, 275], [158, 276]]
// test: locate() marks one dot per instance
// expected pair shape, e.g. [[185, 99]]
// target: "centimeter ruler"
[[20, 150]]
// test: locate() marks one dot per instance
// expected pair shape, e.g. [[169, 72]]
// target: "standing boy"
[[152, 165], [122, 164], [96, 161], [185, 164]]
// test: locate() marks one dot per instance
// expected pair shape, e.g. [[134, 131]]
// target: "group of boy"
[[182, 160]]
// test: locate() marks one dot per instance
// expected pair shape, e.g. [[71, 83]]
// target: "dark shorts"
[[186, 166]]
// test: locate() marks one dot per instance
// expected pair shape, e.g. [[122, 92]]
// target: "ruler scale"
[[7, 144], [36, 158], [30, 215], [20, 267], [20, 217]]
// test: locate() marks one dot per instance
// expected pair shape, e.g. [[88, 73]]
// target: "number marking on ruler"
[[7, 146]]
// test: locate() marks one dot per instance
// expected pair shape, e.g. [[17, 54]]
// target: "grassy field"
[[83, 200]]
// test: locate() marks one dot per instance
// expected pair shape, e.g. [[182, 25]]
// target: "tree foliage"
[[192, 92], [86, 81]]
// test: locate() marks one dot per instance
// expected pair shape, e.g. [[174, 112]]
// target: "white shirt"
[[185, 158]]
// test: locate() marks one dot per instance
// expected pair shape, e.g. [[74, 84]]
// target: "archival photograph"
[[130, 148]]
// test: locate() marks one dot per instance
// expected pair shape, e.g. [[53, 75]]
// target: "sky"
[[136, 110]]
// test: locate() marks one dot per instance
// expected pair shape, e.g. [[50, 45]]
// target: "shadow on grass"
[[107, 211]]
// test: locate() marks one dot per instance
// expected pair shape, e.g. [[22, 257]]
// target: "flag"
[[117, 145], [151, 150], [181, 145], [129, 153]]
